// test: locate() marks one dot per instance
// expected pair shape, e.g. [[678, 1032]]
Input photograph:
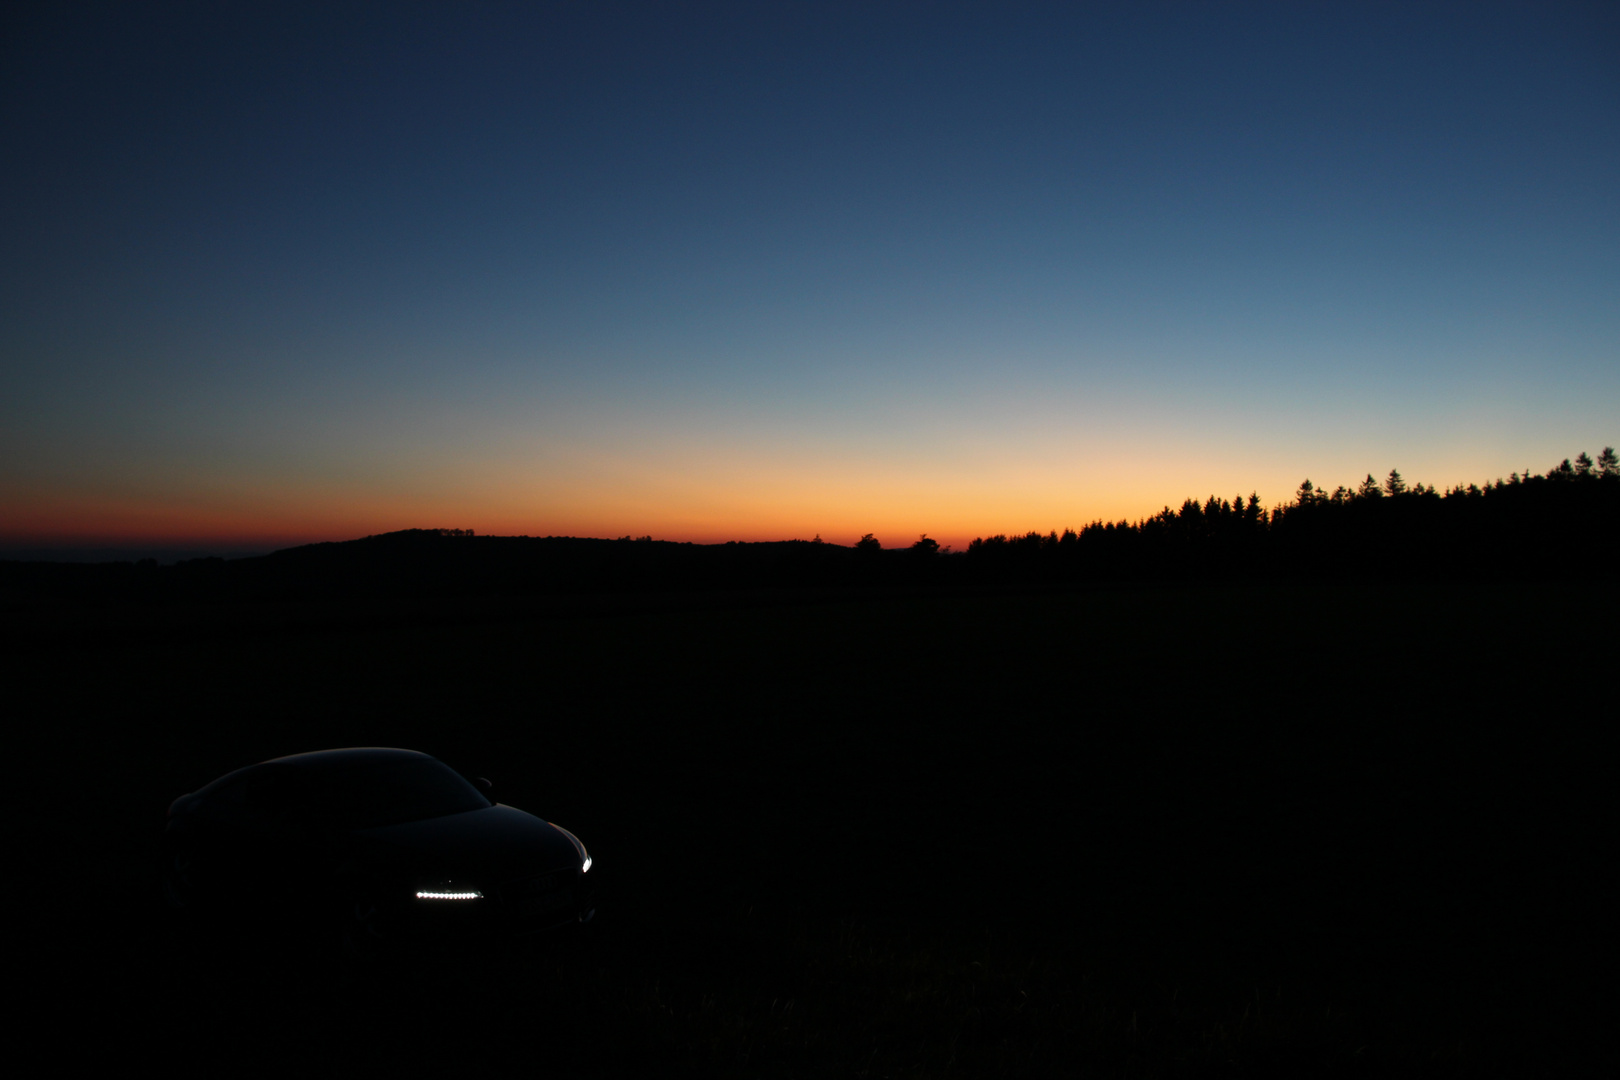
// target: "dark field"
[[1280, 830]]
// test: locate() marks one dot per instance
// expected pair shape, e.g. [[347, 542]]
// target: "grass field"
[[1145, 831]]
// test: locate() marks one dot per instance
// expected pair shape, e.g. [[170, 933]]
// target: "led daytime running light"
[[449, 894]]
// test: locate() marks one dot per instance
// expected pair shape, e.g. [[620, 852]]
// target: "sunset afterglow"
[[768, 272]]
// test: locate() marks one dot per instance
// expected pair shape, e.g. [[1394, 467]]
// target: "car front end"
[[512, 874]]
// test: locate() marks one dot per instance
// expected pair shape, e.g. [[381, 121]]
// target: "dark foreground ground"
[[1150, 831]]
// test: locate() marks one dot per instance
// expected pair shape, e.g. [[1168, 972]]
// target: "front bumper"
[[533, 904]]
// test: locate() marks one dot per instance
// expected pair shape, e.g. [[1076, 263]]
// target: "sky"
[[280, 273]]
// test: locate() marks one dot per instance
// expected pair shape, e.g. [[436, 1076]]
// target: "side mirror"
[[487, 786]]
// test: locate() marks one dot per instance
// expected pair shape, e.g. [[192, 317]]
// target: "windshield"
[[363, 793]]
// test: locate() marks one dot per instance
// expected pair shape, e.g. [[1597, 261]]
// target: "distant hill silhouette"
[[438, 562], [1561, 524]]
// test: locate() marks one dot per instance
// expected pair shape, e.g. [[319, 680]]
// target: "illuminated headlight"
[[584, 856], [449, 894]]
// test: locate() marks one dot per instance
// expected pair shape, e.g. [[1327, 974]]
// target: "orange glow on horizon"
[[85, 521], [699, 499]]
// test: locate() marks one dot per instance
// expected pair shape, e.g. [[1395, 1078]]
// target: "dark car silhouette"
[[380, 845]]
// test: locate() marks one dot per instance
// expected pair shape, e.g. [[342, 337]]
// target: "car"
[[376, 847]]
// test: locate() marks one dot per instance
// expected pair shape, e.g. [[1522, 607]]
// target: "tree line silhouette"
[[1564, 523]]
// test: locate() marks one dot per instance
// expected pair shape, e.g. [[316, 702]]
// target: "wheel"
[[179, 886], [363, 936]]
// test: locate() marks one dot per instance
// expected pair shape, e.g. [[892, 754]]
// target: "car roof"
[[320, 760], [353, 755]]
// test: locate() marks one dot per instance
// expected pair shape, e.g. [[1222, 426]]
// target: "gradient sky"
[[285, 273]]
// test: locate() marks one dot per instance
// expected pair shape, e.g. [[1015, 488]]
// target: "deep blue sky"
[[755, 271]]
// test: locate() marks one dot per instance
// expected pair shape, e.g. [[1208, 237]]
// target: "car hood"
[[497, 840]]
